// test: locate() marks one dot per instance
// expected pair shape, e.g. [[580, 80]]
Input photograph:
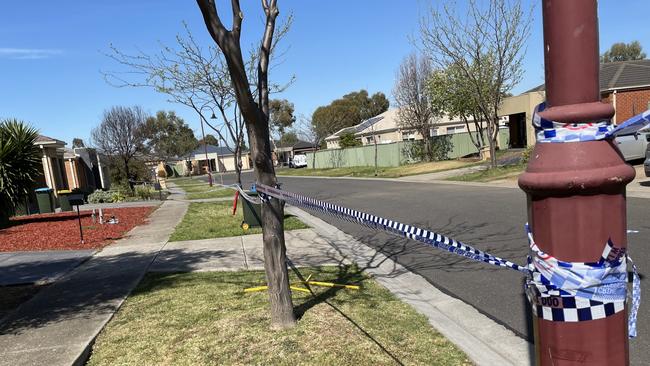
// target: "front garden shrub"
[[100, 196], [117, 196], [144, 192], [525, 155], [19, 165]]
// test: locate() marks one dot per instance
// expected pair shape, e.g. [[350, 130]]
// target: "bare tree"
[[119, 135], [196, 77], [415, 111], [308, 132], [487, 44], [255, 110], [190, 76]]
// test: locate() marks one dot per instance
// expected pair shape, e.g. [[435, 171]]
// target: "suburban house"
[[84, 169], [68, 169], [284, 153], [625, 84], [219, 158], [385, 129]]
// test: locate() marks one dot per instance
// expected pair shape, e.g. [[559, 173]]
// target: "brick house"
[[625, 84], [67, 169]]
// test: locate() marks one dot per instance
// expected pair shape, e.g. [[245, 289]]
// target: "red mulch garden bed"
[[60, 231]]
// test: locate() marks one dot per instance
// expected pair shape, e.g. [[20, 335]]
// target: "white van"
[[299, 161]]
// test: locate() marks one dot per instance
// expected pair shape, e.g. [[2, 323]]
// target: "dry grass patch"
[[206, 319]]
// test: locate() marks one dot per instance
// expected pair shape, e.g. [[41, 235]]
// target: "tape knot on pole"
[[577, 291]]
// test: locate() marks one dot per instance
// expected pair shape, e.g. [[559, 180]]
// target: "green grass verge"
[[199, 189], [382, 172], [205, 318], [492, 174], [217, 193], [215, 220]]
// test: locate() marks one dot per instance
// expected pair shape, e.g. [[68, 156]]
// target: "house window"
[[369, 140], [408, 135], [455, 129], [433, 132]]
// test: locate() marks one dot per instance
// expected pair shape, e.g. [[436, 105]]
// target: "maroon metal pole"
[[576, 191]]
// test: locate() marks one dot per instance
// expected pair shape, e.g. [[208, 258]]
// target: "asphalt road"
[[491, 219]]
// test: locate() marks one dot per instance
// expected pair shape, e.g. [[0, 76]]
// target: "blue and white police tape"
[[572, 292], [557, 290], [390, 226], [551, 131]]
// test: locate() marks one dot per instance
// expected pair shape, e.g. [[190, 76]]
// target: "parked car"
[[299, 161], [633, 146], [646, 163]]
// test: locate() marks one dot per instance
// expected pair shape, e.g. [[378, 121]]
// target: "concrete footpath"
[[58, 325]]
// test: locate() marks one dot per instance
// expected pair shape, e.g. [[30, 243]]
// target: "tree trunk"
[[492, 142], [275, 257], [257, 125], [127, 172], [238, 164]]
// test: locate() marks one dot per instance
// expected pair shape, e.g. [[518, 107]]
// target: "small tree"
[[281, 116], [307, 132], [119, 135], [77, 143], [416, 111], [167, 135], [19, 165], [255, 109], [348, 140], [487, 45], [623, 52], [210, 140], [288, 138], [450, 91], [198, 78]]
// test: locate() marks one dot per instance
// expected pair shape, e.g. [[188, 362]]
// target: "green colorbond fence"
[[393, 154]]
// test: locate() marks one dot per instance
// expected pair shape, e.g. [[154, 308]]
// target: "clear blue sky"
[[51, 51]]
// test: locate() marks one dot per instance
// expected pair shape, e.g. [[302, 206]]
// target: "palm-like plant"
[[19, 165]]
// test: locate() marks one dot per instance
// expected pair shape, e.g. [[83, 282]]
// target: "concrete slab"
[[39, 267]]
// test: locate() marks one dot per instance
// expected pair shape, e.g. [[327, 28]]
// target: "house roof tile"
[[619, 75]]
